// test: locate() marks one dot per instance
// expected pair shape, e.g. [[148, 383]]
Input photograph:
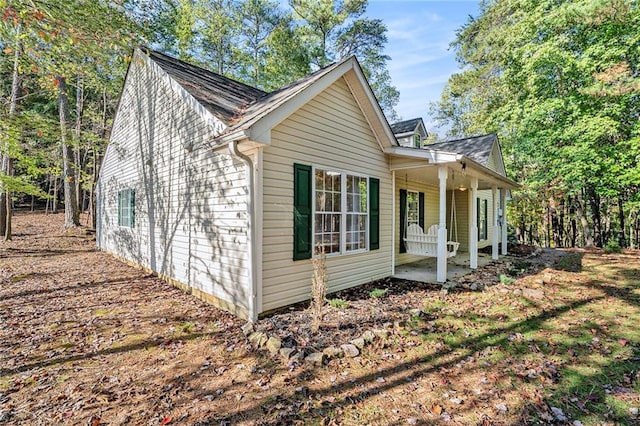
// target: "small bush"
[[612, 247], [506, 279], [338, 303], [378, 292]]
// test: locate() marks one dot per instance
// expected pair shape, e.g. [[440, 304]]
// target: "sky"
[[419, 33]]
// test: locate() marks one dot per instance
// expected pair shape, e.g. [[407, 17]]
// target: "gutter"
[[253, 300]]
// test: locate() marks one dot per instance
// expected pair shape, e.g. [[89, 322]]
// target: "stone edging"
[[273, 344]]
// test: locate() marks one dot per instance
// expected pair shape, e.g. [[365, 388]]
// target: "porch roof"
[[421, 165]]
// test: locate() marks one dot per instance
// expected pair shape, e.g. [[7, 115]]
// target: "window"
[[482, 219], [411, 211], [417, 140], [340, 211], [126, 207], [328, 217], [413, 208], [334, 211], [356, 213]]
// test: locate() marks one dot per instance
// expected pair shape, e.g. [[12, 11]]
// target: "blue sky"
[[419, 34]]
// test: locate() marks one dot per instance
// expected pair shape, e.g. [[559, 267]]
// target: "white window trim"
[[343, 211], [417, 194]]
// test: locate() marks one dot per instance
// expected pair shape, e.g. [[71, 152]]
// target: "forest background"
[[558, 81]]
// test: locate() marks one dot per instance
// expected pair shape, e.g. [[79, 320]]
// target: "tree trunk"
[[54, 205], [71, 216], [16, 92], [594, 202], [7, 231], [78, 134], [622, 240], [586, 229]]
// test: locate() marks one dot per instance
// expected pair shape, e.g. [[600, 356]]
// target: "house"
[[228, 192], [411, 133]]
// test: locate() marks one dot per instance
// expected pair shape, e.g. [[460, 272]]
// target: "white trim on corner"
[[258, 221], [213, 122]]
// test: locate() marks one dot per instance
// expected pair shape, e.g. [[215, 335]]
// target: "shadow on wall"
[[190, 205]]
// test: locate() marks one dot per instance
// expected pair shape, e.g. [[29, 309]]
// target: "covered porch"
[[460, 199], [424, 270]]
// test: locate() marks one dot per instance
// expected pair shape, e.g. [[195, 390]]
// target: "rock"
[[315, 358], [412, 421], [380, 333], [273, 345], [368, 336], [531, 293], [332, 352], [449, 285], [517, 292], [258, 339], [350, 350], [501, 407], [474, 287], [416, 312], [398, 325], [633, 411], [298, 356], [558, 414], [358, 342], [289, 342], [286, 353], [247, 329]]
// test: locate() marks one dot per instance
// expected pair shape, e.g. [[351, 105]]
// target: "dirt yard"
[[88, 340]]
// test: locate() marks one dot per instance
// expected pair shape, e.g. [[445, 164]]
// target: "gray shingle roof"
[[478, 148], [223, 97], [405, 126], [276, 98]]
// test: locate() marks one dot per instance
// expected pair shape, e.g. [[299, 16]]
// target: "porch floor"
[[425, 270]]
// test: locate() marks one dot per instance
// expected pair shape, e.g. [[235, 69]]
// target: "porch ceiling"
[[457, 179], [423, 168]]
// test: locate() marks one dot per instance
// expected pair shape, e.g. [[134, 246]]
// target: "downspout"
[[253, 300]]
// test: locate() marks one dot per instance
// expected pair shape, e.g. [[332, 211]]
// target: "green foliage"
[[555, 80], [612, 247], [506, 279], [377, 293], [338, 303]]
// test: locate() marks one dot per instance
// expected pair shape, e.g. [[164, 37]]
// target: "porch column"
[[473, 224], [503, 203], [393, 223], [496, 229], [442, 227]]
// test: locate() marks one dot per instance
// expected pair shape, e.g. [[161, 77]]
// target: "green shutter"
[[403, 219], [302, 215], [478, 218], [374, 214], [421, 209], [132, 207]]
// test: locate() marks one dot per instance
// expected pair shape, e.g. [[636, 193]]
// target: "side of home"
[[230, 192]]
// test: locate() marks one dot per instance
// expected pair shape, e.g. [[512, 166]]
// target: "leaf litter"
[[87, 339]]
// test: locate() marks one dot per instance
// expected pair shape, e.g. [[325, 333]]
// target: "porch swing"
[[421, 244]]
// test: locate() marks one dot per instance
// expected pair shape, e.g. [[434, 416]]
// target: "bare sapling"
[[318, 290]]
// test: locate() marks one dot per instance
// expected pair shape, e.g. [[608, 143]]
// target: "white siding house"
[[229, 192]]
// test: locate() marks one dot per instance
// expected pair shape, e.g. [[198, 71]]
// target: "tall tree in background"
[[559, 82], [66, 41], [333, 30]]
